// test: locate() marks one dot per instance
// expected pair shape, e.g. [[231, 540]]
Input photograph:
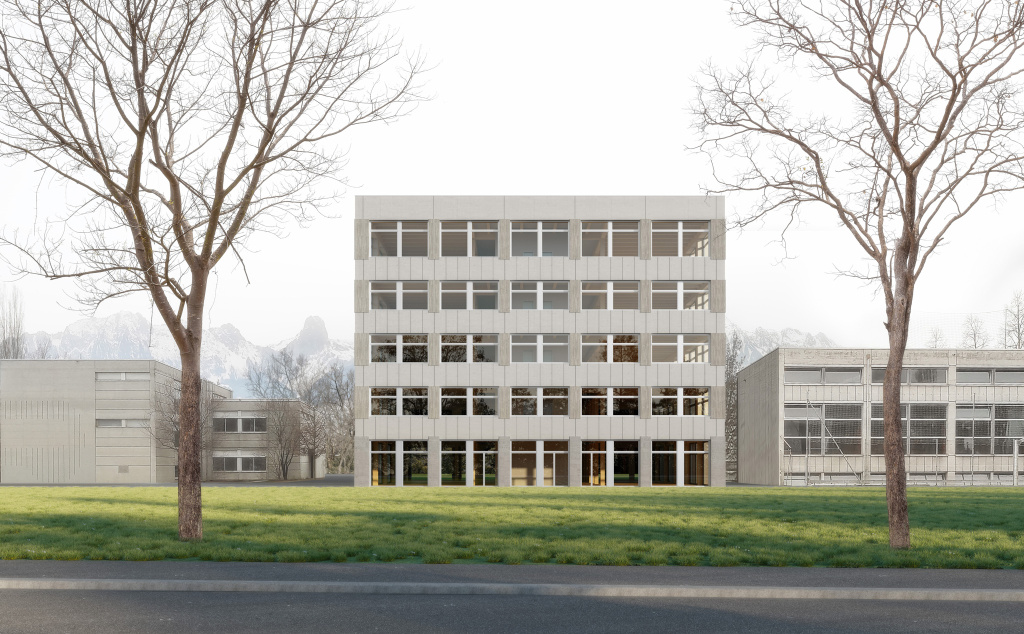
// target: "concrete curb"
[[517, 589]]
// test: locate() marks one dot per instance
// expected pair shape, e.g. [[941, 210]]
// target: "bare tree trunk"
[[895, 463], [190, 503]]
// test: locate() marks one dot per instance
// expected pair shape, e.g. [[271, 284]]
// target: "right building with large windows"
[[814, 416], [539, 341]]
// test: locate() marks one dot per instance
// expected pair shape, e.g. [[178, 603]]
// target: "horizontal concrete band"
[[517, 589]]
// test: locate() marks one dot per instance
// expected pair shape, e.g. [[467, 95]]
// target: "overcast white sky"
[[566, 97]]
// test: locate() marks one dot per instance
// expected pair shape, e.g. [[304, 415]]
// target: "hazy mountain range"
[[760, 341], [226, 351]]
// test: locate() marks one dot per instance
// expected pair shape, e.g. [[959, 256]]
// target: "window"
[[679, 401], [469, 348], [547, 239], [402, 238], [398, 348], [546, 295], [254, 425], [680, 348], [453, 463], [540, 401], [524, 463], [465, 295], [988, 429], [611, 348], [123, 376], [912, 375], [618, 238], [463, 401], [485, 463], [595, 459], [611, 401], [680, 238], [225, 464], [680, 295], [116, 422], [1009, 376], [626, 454], [414, 463], [469, 238], [663, 463], [926, 426], [382, 463], [840, 434], [390, 401], [398, 295], [985, 376], [240, 425], [253, 463], [615, 295], [831, 375], [973, 376], [235, 464], [540, 348]]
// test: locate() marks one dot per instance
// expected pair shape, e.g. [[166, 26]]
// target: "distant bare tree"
[[340, 452], [187, 126], [921, 124], [1013, 322], [975, 336], [936, 339], [284, 434], [734, 360], [166, 428], [12, 325]]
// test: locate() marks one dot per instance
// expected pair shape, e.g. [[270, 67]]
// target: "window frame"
[[470, 293], [610, 246], [400, 397], [688, 294], [468, 346], [609, 293], [686, 401], [540, 346], [403, 295], [546, 401], [612, 401], [471, 229], [689, 347], [401, 347], [682, 229], [474, 400], [614, 346], [400, 238], [539, 232], [541, 291]]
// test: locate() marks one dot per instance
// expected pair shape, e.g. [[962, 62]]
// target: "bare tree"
[[284, 434], [1013, 322], [919, 126], [187, 126], [166, 427], [340, 450], [936, 339], [12, 325], [734, 360], [975, 336]]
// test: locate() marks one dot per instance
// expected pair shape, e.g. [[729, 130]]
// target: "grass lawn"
[[842, 527]]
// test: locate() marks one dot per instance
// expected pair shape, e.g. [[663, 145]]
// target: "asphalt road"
[[123, 611]]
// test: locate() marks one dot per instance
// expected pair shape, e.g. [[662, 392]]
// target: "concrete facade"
[[80, 422], [962, 410], [508, 268]]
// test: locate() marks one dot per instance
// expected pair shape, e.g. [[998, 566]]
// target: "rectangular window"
[[414, 463], [223, 463], [546, 239], [680, 348], [924, 431], [912, 375], [254, 425], [402, 238], [988, 429], [673, 238], [802, 375], [540, 348], [540, 401], [842, 375], [973, 376], [615, 295], [469, 295], [463, 401], [610, 401], [109, 422], [840, 434], [398, 295], [390, 401], [225, 425], [398, 348], [382, 463], [469, 348], [546, 295], [1009, 376], [477, 238], [253, 463], [617, 238], [611, 348], [680, 295], [685, 401]]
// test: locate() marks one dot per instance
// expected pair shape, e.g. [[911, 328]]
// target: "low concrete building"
[[81, 422], [814, 416]]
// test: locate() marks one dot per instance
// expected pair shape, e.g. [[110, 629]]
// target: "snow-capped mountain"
[[761, 341], [226, 351]]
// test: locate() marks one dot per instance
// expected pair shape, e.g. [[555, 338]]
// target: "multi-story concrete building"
[[809, 416], [539, 341], [114, 422]]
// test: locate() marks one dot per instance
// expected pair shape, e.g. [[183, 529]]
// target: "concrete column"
[[434, 402], [646, 477], [645, 401], [504, 348], [504, 402], [575, 461], [575, 296], [361, 401], [434, 349], [434, 239], [361, 232], [645, 348], [718, 345], [433, 461], [504, 461], [361, 353], [717, 247], [716, 458], [469, 463], [717, 299], [504, 296], [540, 464], [575, 239], [646, 295], [399, 464], [504, 239], [575, 348], [433, 296], [361, 300], [361, 461], [680, 471], [575, 402], [716, 396], [645, 239], [609, 472]]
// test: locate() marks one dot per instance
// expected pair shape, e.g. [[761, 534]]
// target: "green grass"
[[951, 528]]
